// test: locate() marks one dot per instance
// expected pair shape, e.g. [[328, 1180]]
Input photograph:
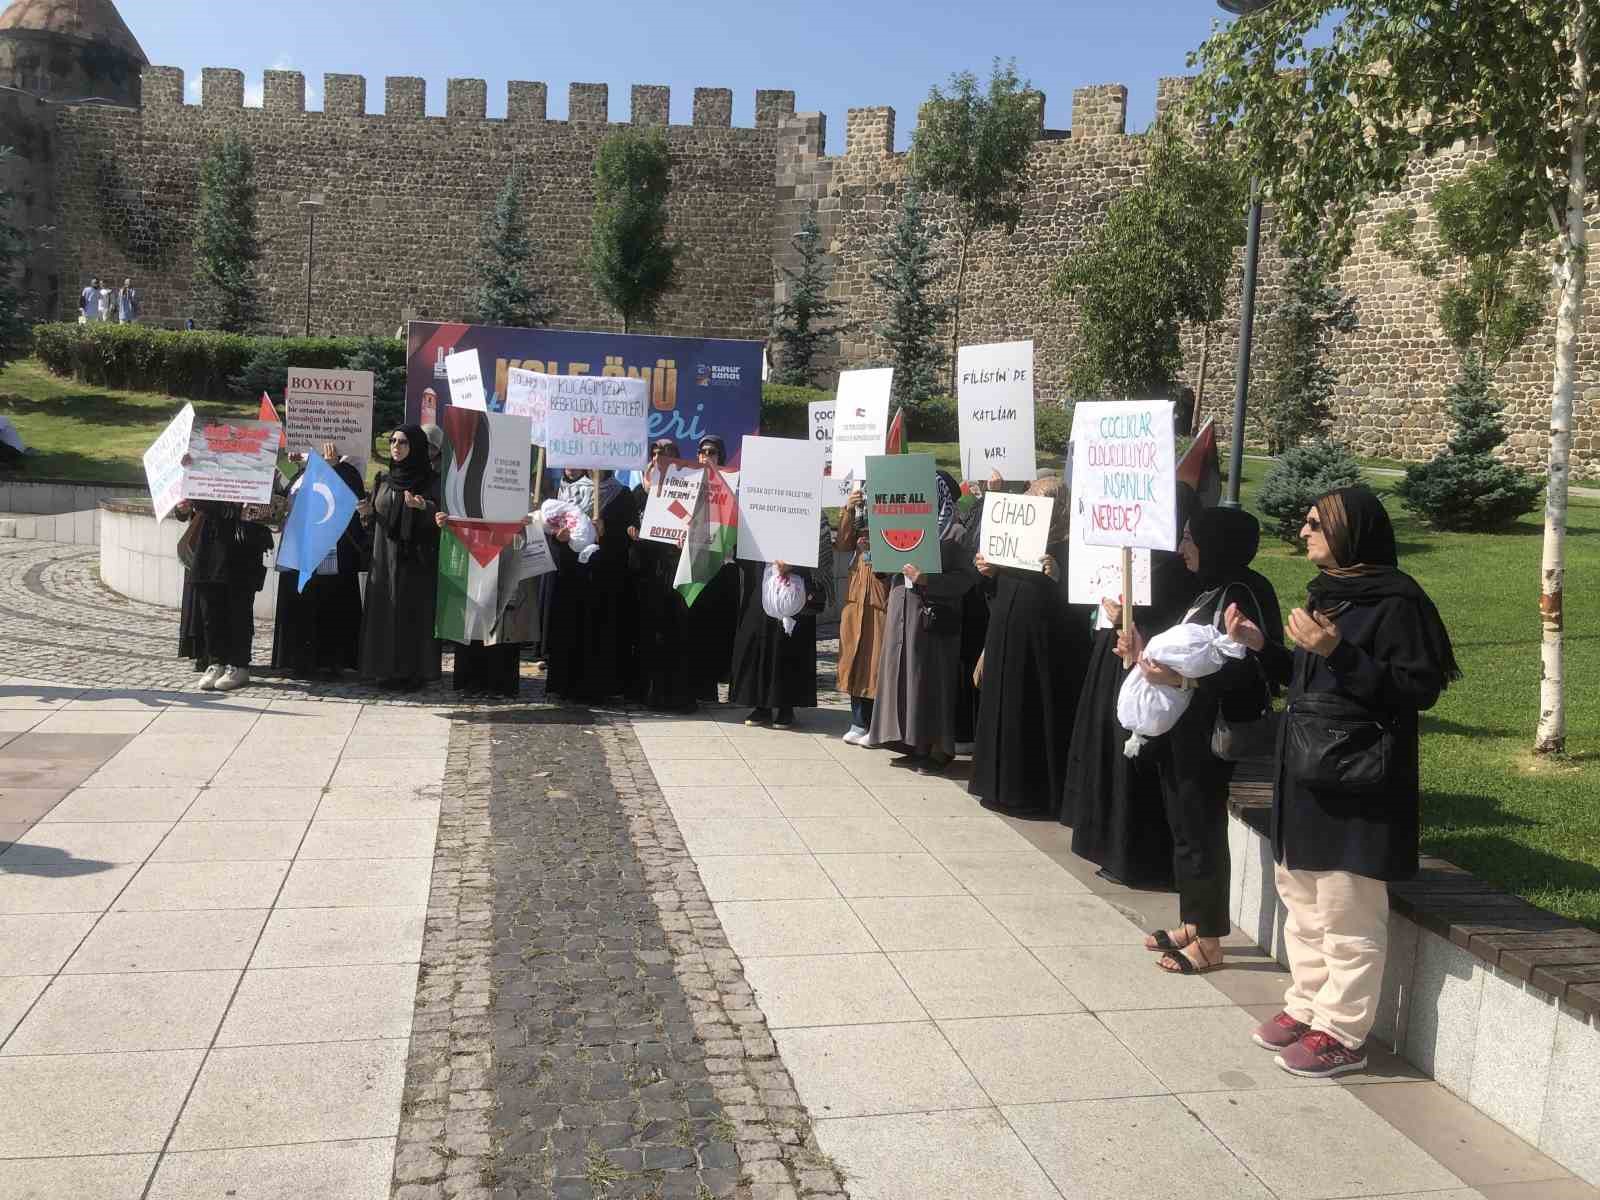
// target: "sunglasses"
[[1314, 524]]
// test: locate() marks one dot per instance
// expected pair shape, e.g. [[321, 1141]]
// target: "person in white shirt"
[[127, 303]]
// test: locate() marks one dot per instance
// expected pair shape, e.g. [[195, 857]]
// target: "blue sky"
[[834, 54]]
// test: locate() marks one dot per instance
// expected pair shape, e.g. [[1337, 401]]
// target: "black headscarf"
[[949, 494], [1227, 539], [1366, 568], [415, 472]]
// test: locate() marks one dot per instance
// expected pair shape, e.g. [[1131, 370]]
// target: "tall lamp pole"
[[1247, 304], [311, 206]]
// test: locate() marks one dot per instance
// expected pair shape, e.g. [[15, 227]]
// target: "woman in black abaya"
[[398, 648], [1033, 665], [592, 635], [776, 672], [667, 670], [317, 632]]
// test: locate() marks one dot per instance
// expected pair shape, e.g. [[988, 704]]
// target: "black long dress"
[[319, 630], [667, 674], [1033, 667], [397, 642], [592, 638], [974, 633], [773, 669], [713, 620]]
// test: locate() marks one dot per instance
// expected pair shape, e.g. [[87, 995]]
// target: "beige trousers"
[[1336, 934]]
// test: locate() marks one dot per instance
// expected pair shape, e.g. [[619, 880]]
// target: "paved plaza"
[[314, 943]]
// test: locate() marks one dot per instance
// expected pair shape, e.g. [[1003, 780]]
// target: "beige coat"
[[861, 619]]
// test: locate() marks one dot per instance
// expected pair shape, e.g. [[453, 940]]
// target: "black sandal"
[[1163, 941], [1184, 964]]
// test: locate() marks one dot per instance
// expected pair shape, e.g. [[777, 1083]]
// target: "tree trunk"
[[1552, 733], [955, 319], [1200, 383]]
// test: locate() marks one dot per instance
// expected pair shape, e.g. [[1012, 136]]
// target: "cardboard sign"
[[330, 406], [861, 419], [903, 512], [996, 410], [1124, 473], [466, 381], [163, 463], [597, 423], [528, 395], [1016, 530], [488, 465], [1094, 573], [780, 500], [667, 508], [535, 559], [836, 489], [821, 412], [232, 461]]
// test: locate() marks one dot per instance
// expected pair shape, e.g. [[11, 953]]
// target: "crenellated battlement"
[[406, 97]]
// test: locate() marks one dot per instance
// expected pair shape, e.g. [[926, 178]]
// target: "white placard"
[[163, 462], [821, 412], [232, 461], [836, 489], [995, 383], [597, 423], [1016, 530], [1124, 473], [330, 406], [667, 508], [860, 419], [527, 395], [780, 500], [535, 559], [466, 380], [1094, 573]]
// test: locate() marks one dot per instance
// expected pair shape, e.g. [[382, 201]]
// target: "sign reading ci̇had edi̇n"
[[1124, 473], [596, 424], [330, 406], [996, 397], [1016, 530]]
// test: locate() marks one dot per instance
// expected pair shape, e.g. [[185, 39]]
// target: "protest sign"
[[821, 412], [466, 380], [330, 406], [487, 465], [995, 383], [836, 489], [861, 419], [535, 558], [1094, 573], [669, 504], [232, 461], [597, 423], [163, 463], [903, 512], [1016, 530], [1123, 473], [780, 500], [528, 395]]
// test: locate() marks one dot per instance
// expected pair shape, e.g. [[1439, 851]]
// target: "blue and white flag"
[[323, 506]]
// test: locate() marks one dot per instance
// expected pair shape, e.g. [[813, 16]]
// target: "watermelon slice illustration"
[[903, 541]]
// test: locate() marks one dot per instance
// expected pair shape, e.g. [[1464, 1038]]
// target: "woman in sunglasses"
[[398, 648]]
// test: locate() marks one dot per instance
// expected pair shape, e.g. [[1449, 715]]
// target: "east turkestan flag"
[[323, 506], [713, 537], [471, 579]]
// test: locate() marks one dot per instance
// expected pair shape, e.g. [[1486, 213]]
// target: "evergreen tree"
[[910, 271], [807, 318], [503, 295], [631, 260], [226, 248], [1298, 383], [13, 325]]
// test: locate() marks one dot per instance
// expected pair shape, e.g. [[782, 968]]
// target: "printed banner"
[[780, 501], [488, 465], [1016, 530], [821, 413], [330, 406], [696, 386], [232, 461], [465, 376], [1124, 473], [903, 512], [163, 463], [669, 508], [996, 411], [469, 593], [596, 424], [535, 558], [861, 419], [528, 395]]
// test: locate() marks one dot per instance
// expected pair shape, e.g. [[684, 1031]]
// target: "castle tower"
[[70, 50]]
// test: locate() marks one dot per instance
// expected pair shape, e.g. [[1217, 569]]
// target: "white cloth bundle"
[[781, 597], [562, 514], [1148, 709]]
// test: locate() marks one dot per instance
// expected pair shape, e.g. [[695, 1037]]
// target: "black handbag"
[[1251, 739], [939, 619], [1335, 744]]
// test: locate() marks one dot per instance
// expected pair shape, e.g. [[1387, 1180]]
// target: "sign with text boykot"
[[860, 420], [902, 503], [330, 406], [780, 500], [995, 383], [597, 423], [670, 507], [1124, 473]]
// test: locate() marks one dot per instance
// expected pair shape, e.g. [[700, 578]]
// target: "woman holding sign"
[[666, 676], [1032, 669], [775, 659], [593, 625], [398, 648], [317, 632]]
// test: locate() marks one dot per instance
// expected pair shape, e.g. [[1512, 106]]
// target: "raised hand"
[[1313, 632], [1243, 630]]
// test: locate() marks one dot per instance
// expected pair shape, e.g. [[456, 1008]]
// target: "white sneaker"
[[233, 680], [208, 681], [966, 747], [854, 735]]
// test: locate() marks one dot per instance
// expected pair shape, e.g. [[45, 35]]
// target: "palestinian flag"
[[1200, 467], [469, 598], [713, 537], [896, 442], [268, 413]]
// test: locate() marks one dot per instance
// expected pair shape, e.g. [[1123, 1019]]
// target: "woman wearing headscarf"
[[1371, 653], [714, 615], [775, 661], [398, 648], [1218, 545], [861, 618], [593, 627], [1110, 798], [1032, 670], [228, 543], [919, 675], [666, 676], [317, 632]]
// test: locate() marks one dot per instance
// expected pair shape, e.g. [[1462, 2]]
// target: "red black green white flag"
[[469, 596], [712, 539]]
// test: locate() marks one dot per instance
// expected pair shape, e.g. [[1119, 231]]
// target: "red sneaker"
[[1319, 1056], [1279, 1033]]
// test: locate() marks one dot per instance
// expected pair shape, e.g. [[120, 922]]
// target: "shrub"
[[1298, 478], [784, 409], [386, 359]]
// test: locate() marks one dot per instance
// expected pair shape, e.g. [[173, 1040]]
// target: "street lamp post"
[[311, 206], [1247, 303]]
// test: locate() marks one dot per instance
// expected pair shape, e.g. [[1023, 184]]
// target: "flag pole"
[[1127, 601], [538, 478], [595, 475]]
